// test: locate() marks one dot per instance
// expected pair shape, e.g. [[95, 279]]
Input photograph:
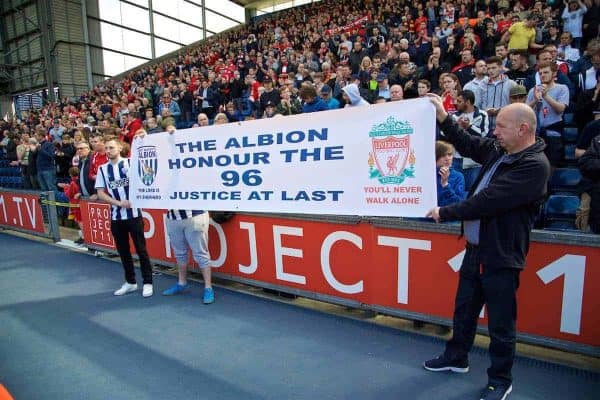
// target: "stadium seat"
[[565, 181], [570, 153], [568, 118], [570, 134], [559, 212]]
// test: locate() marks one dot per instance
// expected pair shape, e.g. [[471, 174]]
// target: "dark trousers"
[[134, 228], [497, 289], [26, 178], [554, 150]]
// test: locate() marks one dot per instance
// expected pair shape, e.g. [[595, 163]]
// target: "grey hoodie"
[[494, 95], [353, 93]]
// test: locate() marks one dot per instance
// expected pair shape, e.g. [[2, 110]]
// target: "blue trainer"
[[175, 289], [209, 296]]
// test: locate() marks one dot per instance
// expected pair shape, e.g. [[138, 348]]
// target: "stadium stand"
[[10, 176], [559, 212], [391, 49], [376, 44], [565, 181]]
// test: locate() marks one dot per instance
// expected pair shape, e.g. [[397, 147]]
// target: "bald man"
[[497, 219], [396, 93]]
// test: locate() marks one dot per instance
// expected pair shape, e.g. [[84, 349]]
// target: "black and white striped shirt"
[[114, 179], [183, 214]]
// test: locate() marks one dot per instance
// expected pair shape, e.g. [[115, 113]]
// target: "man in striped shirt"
[[112, 184]]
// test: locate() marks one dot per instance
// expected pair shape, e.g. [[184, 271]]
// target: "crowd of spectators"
[[479, 55]]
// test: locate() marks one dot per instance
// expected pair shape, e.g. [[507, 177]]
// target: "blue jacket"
[[453, 192], [317, 105], [46, 156], [173, 109], [333, 104]]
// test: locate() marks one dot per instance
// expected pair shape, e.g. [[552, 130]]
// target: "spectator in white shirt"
[[572, 17]]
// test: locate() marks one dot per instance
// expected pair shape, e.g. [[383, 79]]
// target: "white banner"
[[371, 160]]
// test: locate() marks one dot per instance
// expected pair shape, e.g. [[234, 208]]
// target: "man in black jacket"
[[356, 56], [498, 217], [86, 184], [238, 87]]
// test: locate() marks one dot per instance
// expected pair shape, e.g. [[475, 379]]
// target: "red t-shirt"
[[449, 104], [131, 129], [420, 20], [255, 87], [70, 191], [504, 25], [97, 160]]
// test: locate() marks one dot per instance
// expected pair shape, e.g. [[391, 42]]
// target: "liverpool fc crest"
[[147, 164], [391, 159]]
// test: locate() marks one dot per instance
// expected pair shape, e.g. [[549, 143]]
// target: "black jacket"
[[589, 165], [509, 205], [11, 150], [356, 58], [238, 86], [84, 169]]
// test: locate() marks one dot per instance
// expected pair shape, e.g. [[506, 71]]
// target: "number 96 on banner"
[[249, 178]]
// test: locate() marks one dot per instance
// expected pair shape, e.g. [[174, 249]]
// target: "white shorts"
[[190, 233]]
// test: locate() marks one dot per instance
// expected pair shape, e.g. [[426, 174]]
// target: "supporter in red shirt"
[[254, 85], [126, 84], [503, 23], [451, 89], [132, 125], [99, 156], [73, 193], [116, 106], [421, 18]]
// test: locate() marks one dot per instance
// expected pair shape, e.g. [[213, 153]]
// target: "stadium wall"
[[393, 266]]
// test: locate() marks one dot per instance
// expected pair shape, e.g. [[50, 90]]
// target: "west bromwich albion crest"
[[391, 152], [147, 164]]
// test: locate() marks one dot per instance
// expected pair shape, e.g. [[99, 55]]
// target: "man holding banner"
[[188, 230], [498, 217], [112, 184]]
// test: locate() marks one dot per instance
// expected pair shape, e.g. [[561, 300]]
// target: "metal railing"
[[17, 216]]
